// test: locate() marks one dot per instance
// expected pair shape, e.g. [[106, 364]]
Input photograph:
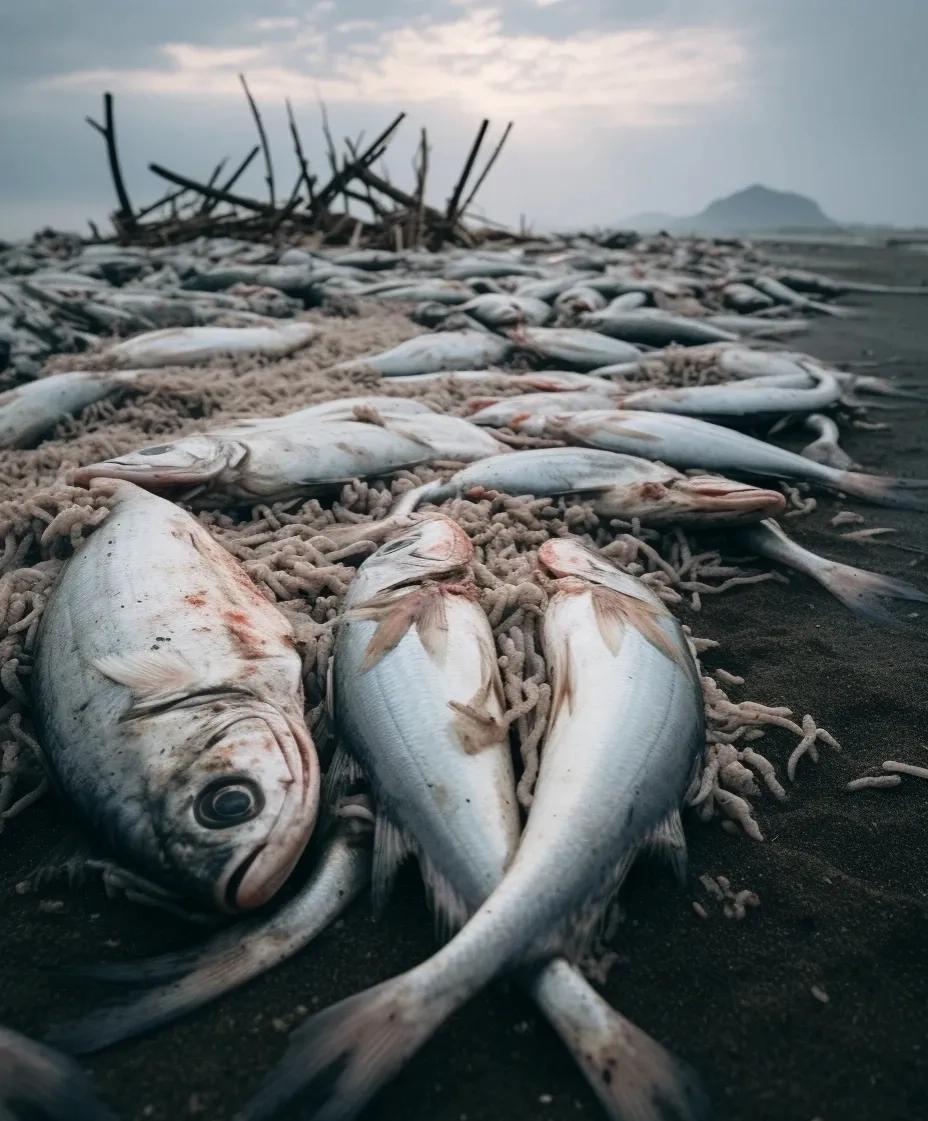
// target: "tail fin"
[[865, 592], [191, 978], [408, 502], [901, 494], [633, 1076], [43, 1084], [341, 1057]]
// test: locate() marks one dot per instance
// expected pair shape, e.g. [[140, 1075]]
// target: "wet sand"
[[842, 878]]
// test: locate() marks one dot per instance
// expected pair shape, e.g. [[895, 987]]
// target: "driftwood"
[[396, 218]]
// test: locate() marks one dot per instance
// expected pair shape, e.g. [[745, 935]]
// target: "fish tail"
[[634, 1077], [47, 1085], [408, 502], [902, 494], [339, 1059], [829, 452], [866, 593]]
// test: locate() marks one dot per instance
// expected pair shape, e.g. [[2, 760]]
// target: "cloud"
[[631, 77]]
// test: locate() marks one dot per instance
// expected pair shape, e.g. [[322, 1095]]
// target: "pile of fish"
[[299, 635]]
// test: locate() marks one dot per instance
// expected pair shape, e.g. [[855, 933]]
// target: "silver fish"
[[174, 984], [653, 327], [620, 486], [687, 442], [573, 346], [497, 310], [784, 295], [441, 350], [186, 346], [825, 448], [449, 437], [800, 280], [31, 409], [743, 400], [579, 300], [757, 327], [862, 592], [266, 462], [37, 1082], [622, 745], [512, 412], [169, 703], [745, 298]]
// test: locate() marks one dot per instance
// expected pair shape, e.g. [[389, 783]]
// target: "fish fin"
[[149, 674], [634, 1077], [667, 839], [391, 848], [900, 494], [867, 593], [339, 1059], [423, 607], [614, 611], [343, 773], [562, 692], [449, 909], [583, 932], [330, 691], [46, 1084], [474, 727], [432, 624], [69, 858]]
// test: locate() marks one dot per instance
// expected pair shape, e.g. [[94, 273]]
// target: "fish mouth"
[[729, 497], [252, 882], [142, 475]]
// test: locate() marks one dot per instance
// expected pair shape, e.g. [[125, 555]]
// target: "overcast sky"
[[620, 106]]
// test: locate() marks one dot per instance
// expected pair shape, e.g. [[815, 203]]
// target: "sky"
[[620, 106]]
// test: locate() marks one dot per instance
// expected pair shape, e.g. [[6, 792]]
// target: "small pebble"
[[819, 993]]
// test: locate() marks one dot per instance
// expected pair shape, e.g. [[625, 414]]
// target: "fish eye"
[[156, 450], [228, 802]]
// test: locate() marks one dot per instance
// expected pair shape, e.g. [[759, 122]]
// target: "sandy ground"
[[843, 879]]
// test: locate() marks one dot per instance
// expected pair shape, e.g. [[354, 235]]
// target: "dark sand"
[[843, 878]]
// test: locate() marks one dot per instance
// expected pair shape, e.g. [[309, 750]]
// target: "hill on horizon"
[[751, 210]]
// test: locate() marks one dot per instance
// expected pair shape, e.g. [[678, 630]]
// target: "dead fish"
[[687, 442], [817, 285], [579, 300], [435, 291], [186, 346], [171, 985], [38, 1083], [341, 408], [784, 295], [551, 287], [169, 703], [471, 267], [573, 346], [653, 327], [745, 298], [544, 381], [31, 409], [743, 400], [757, 327], [620, 486], [498, 310], [622, 746], [441, 350], [825, 448], [513, 412], [627, 301], [862, 592], [449, 437], [269, 462]]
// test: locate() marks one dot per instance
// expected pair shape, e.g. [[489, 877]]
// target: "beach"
[[811, 1007]]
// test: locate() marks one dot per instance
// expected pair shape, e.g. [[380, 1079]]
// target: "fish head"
[[234, 820], [567, 557], [433, 547], [713, 499], [188, 461]]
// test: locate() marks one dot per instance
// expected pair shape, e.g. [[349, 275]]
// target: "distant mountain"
[[752, 210]]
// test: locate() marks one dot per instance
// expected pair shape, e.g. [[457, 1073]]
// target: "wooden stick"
[[125, 215], [269, 176], [489, 165], [234, 178], [421, 172], [217, 171], [351, 170], [300, 158], [216, 193], [452, 212]]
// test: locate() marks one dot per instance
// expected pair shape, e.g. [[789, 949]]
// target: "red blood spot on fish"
[[197, 600]]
